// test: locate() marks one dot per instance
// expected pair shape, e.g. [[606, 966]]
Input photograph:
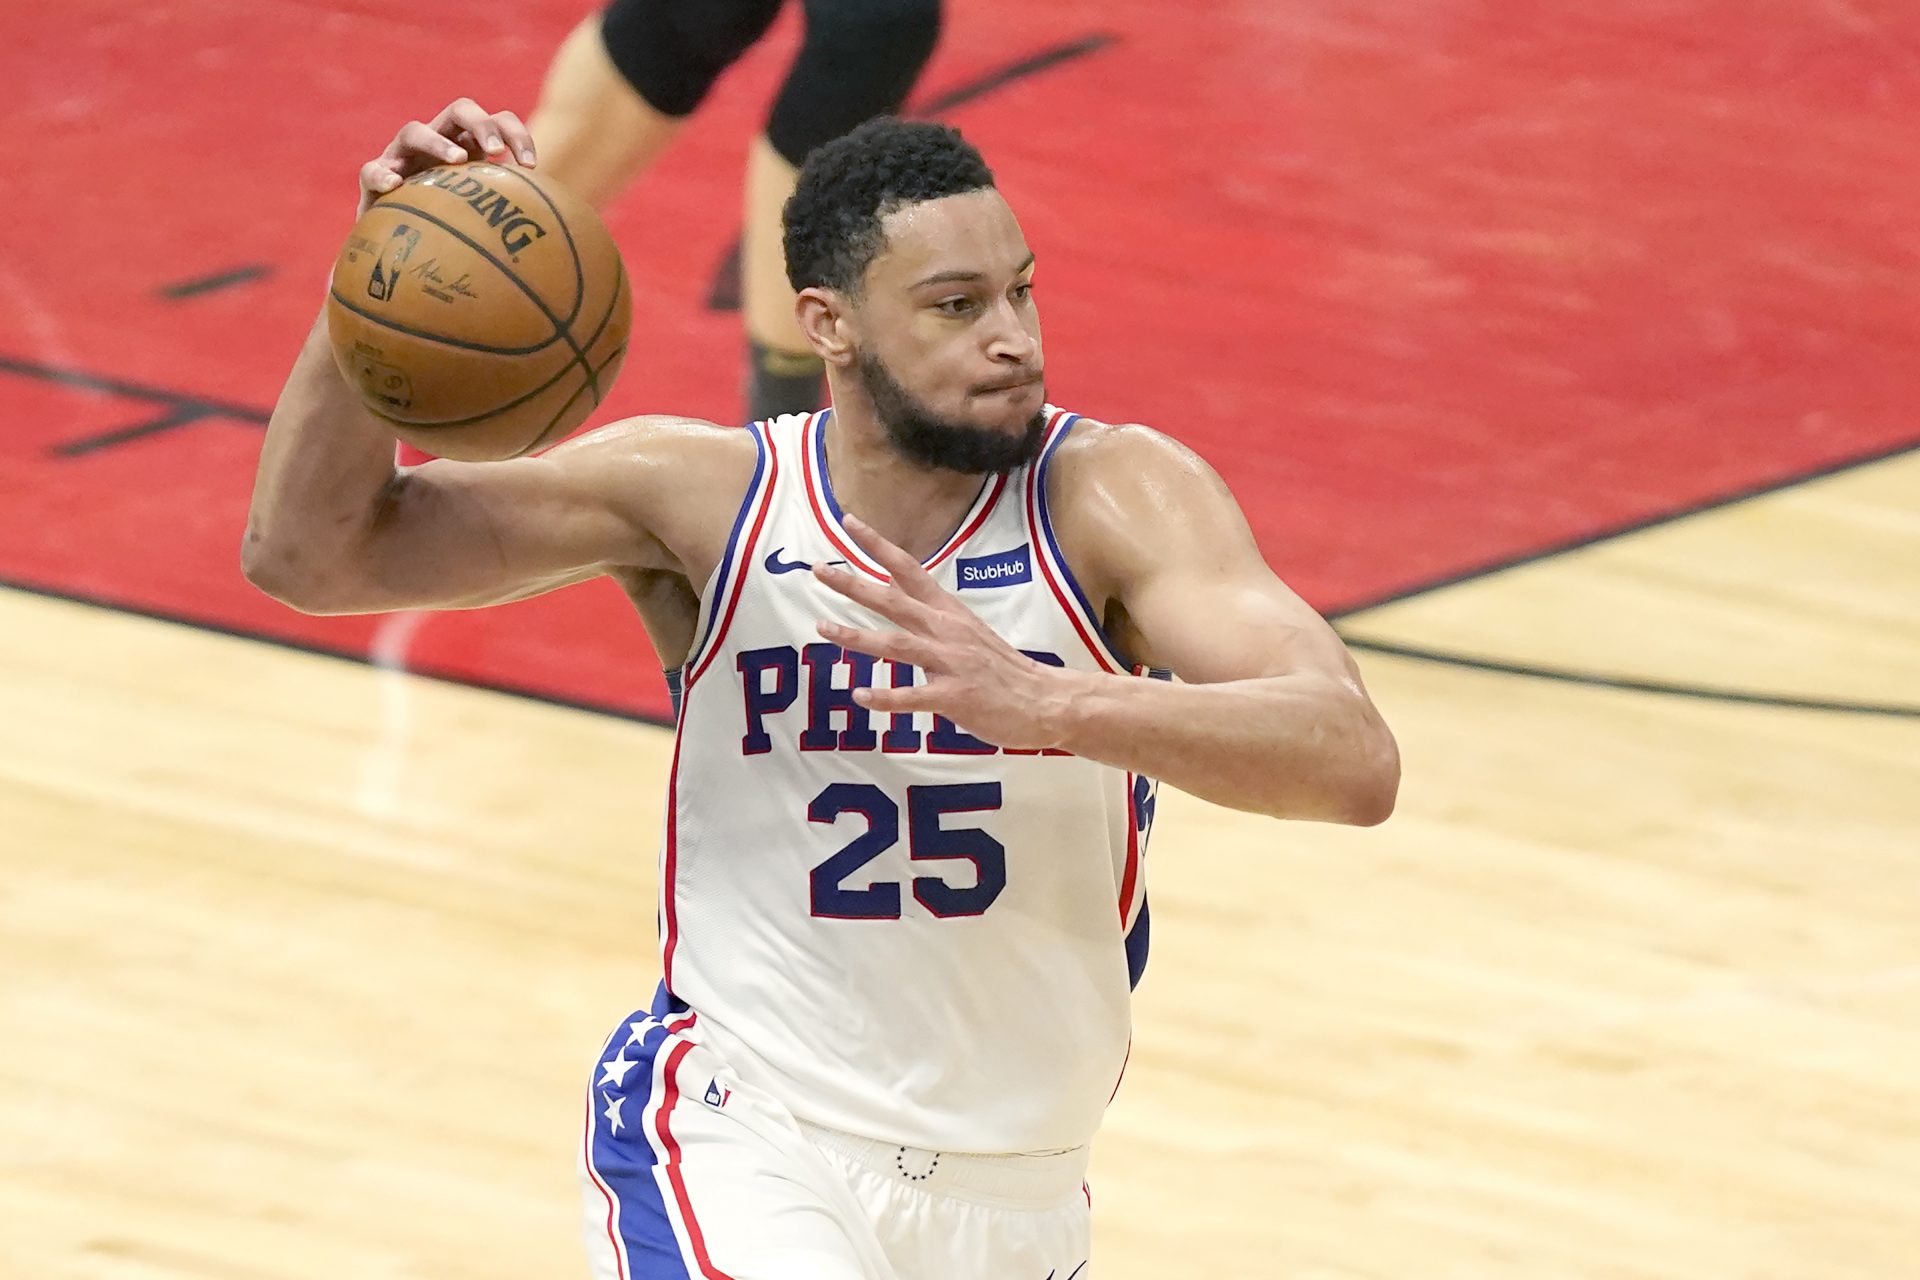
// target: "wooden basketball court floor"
[[305, 960]]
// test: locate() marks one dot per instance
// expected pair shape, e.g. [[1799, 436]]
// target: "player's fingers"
[[517, 136], [377, 177], [907, 572], [459, 114], [888, 601], [469, 117], [421, 146], [887, 646], [916, 697]]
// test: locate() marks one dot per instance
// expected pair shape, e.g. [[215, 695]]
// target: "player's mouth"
[[1008, 388]]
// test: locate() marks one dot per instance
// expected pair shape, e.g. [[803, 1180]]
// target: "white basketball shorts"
[[691, 1175]]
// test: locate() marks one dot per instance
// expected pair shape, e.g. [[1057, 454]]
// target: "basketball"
[[481, 312]]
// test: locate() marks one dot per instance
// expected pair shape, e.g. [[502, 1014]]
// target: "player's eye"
[[954, 306], [1023, 290]]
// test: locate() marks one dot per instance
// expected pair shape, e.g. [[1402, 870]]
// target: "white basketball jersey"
[[897, 929]]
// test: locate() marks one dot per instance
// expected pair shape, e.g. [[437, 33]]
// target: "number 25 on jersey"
[[928, 840]]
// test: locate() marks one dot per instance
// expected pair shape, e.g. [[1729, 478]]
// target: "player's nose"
[[1011, 340]]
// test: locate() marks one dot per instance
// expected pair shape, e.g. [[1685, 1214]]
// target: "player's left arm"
[[1270, 714]]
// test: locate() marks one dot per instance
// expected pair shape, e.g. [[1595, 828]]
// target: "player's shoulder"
[[1120, 495], [647, 436], [652, 450], [682, 478], [1122, 461]]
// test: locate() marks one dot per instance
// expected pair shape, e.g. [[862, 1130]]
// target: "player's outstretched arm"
[[1270, 715], [336, 528]]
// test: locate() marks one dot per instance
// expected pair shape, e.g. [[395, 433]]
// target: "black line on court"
[[1594, 679], [213, 283], [1666, 688], [1031, 65], [1761, 490], [180, 415], [322, 651], [132, 390], [177, 409], [723, 293]]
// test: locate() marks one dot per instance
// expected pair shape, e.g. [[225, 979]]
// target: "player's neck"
[[915, 506]]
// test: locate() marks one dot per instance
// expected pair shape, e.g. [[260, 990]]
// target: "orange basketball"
[[481, 312]]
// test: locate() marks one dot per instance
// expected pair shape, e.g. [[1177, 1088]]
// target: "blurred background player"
[[626, 80]]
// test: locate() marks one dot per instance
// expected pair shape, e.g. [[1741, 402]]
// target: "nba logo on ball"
[[399, 247]]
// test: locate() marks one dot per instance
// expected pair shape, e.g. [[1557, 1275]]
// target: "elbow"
[[281, 573], [1351, 776], [1375, 788], [1362, 789], [1372, 804], [1359, 791], [264, 568]]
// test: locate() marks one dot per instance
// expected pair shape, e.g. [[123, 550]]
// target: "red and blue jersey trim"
[[728, 581], [732, 574], [1135, 919], [669, 869], [827, 513], [1053, 565]]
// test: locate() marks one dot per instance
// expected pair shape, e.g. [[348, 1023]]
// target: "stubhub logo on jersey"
[[1001, 569]]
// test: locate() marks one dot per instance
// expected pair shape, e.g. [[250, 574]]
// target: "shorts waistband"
[[1018, 1179]]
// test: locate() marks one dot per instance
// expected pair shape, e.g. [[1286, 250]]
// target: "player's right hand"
[[464, 131]]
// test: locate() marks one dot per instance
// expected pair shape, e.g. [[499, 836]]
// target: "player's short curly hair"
[[846, 187]]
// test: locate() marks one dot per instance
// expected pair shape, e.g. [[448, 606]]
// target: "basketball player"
[[626, 80], [902, 906]]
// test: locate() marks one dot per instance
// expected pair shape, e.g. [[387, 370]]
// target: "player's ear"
[[824, 318]]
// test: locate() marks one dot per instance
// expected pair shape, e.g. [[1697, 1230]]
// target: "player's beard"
[[933, 441]]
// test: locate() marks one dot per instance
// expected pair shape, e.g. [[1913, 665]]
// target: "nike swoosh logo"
[[776, 565]]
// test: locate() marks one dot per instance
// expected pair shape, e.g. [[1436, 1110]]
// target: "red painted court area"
[[1436, 284]]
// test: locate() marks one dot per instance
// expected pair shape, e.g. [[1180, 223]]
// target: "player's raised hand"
[[973, 677], [464, 131]]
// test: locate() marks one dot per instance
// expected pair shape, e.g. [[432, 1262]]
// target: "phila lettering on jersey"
[[899, 930]]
